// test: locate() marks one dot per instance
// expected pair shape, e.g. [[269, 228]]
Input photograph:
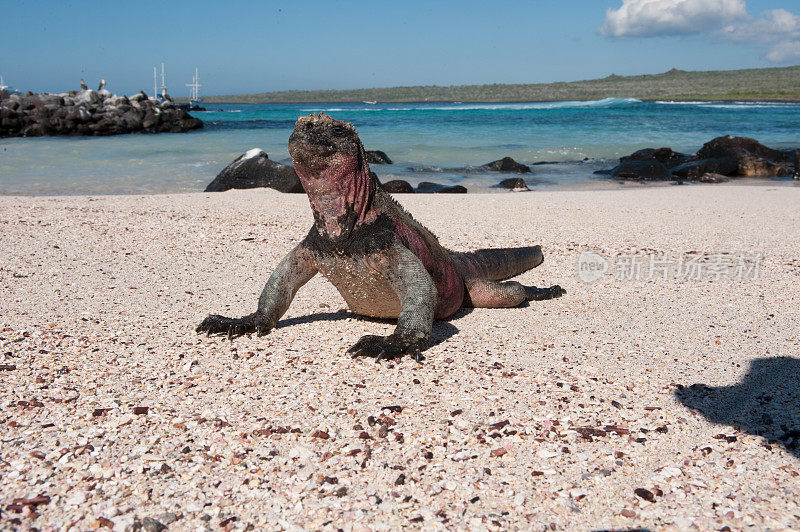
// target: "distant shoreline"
[[780, 85], [647, 100]]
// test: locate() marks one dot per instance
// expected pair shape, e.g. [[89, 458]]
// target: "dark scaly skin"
[[383, 262]]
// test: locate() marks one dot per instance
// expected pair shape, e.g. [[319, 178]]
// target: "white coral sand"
[[563, 414]]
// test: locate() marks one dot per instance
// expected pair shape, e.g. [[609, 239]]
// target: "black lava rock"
[[426, 187], [255, 169], [377, 157], [513, 183], [694, 169], [665, 156], [641, 170], [398, 186], [752, 158], [507, 164]]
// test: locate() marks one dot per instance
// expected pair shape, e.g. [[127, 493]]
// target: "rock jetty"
[[89, 112]]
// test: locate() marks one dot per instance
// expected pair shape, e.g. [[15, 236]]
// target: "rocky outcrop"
[[426, 187], [642, 170], [254, 169], [796, 174], [515, 184], [752, 158], [88, 113], [377, 157], [665, 156], [719, 158], [695, 169], [507, 164], [398, 186]]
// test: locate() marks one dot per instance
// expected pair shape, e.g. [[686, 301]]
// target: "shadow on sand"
[[442, 329], [766, 403]]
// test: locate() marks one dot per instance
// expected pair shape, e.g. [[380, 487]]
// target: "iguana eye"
[[339, 131]]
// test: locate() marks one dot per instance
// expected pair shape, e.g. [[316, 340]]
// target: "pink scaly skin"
[[383, 262]]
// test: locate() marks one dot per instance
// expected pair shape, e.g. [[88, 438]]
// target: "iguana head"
[[322, 147], [330, 162]]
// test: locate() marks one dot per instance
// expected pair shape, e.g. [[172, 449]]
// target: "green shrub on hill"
[[752, 84]]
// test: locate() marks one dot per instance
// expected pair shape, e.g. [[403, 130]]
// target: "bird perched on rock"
[[102, 84], [84, 86]]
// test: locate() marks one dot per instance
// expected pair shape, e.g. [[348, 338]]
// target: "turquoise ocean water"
[[427, 142]]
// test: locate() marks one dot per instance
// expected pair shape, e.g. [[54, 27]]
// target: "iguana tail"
[[497, 264]]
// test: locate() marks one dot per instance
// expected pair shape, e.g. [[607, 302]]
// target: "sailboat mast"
[[194, 93]]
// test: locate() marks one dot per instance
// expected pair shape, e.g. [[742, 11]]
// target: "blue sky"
[[263, 46]]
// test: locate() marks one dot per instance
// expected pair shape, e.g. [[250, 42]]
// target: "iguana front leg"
[[417, 294], [295, 270]]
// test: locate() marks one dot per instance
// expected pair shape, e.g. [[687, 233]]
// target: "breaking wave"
[[740, 106], [578, 104]]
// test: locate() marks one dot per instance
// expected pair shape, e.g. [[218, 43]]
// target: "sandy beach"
[[650, 397]]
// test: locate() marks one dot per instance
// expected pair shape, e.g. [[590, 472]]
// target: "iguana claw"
[[233, 327], [386, 347], [540, 294]]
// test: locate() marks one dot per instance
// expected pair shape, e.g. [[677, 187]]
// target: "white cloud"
[[784, 52], [775, 25], [650, 18], [778, 29]]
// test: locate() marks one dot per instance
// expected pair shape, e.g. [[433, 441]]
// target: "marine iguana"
[[383, 262]]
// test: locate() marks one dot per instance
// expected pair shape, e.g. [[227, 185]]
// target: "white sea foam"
[[573, 104], [673, 102], [742, 106], [255, 152], [577, 104], [738, 105]]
